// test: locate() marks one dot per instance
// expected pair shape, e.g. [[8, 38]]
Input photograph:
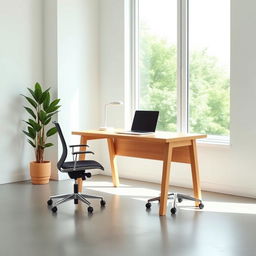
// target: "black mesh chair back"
[[64, 146]]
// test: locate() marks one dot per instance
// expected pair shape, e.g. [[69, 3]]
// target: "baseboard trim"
[[17, 177], [14, 178], [186, 183]]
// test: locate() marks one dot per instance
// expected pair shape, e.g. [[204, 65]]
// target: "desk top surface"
[[157, 136]]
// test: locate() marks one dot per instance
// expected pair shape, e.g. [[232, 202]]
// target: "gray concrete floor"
[[226, 226]]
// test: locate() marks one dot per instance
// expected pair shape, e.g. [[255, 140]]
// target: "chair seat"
[[83, 164]]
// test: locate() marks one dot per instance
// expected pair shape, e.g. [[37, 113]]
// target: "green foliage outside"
[[208, 94]]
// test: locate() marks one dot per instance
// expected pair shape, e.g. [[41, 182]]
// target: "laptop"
[[144, 122]]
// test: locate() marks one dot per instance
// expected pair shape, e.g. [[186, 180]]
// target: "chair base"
[[176, 197], [76, 196]]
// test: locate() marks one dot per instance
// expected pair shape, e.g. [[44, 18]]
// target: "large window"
[[181, 63], [158, 60]]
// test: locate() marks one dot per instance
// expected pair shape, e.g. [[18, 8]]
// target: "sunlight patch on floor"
[[122, 190], [102, 184], [224, 207], [143, 194]]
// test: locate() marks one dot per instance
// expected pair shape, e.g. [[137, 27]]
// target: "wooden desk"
[[165, 146]]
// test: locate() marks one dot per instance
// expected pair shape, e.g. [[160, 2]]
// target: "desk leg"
[[165, 179], [112, 156], [83, 140], [195, 171]]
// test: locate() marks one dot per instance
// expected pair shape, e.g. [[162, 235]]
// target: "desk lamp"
[[114, 103]]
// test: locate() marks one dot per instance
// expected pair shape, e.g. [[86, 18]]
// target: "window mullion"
[[135, 55], [182, 64]]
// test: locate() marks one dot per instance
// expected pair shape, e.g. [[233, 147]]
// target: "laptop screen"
[[144, 121]]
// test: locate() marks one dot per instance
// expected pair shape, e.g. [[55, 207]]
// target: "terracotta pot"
[[40, 172]]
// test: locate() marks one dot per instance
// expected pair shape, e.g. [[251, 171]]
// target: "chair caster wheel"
[[90, 209], [49, 202], [75, 201], [88, 175], [54, 209], [102, 203], [173, 210], [180, 200], [148, 205], [201, 206]]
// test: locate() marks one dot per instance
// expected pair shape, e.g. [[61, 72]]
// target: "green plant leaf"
[[31, 112], [28, 134], [33, 94], [44, 95], [42, 116], [47, 121], [35, 125], [49, 117], [32, 132], [47, 145], [53, 106], [51, 132], [38, 92], [46, 101], [53, 109], [28, 123], [31, 101], [51, 114], [32, 143]]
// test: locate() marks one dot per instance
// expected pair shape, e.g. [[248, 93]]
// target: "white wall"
[[78, 67], [223, 169], [56, 43], [21, 65], [50, 53], [78, 63], [72, 65]]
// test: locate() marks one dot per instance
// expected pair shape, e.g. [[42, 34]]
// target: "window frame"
[[182, 123]]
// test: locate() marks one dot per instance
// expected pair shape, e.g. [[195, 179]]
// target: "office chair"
[[75, 169], [176, 197]]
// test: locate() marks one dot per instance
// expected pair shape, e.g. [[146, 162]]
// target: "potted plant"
[[41, 110]]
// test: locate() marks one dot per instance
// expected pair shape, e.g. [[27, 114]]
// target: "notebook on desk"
[[144, 122]]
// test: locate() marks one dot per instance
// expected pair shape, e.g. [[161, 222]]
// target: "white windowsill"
[[215, 142]]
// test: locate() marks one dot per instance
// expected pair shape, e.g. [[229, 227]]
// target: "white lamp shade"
[[115, 103]]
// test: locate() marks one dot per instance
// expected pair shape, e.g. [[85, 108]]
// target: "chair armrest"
[[82, 152], [82, 145]]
